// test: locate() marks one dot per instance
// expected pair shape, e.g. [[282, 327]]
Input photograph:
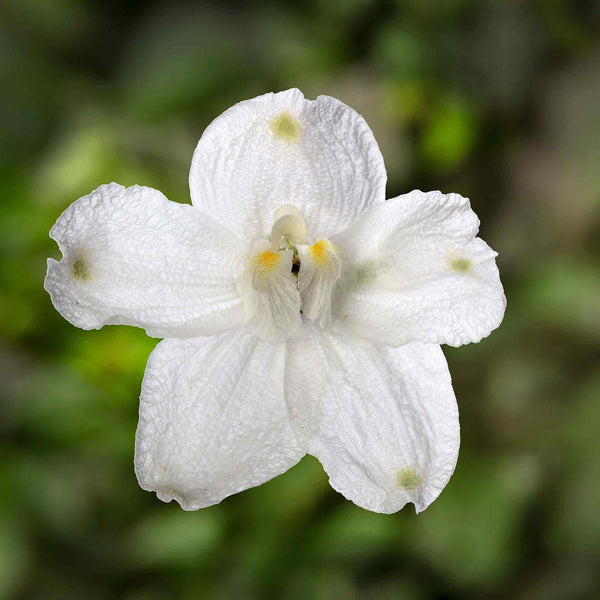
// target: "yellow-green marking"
[[286, 127]]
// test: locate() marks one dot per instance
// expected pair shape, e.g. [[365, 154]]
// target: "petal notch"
[[422, 275], [382, 421], [131, 257]]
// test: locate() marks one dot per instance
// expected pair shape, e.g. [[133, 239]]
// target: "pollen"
[[460, 265], [409, 479], [319, 252], [266, 261], [286, 127], [80, 269]]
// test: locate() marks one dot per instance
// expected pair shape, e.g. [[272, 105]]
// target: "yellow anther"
[[266, 261], [320, 252]]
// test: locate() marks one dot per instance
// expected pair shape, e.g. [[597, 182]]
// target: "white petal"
[[279, 149], [422, 275], [320, 271], [213, 420], [132, 257], [382, 421], [268, 290]]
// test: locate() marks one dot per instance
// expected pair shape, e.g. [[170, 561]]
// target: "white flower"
[[303, 313]]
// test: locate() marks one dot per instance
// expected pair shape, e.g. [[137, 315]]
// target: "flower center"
[[288, 280]]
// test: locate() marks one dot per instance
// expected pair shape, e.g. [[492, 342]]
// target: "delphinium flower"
[[302, 312]]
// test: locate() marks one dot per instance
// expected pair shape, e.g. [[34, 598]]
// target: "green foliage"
[[495, 100]]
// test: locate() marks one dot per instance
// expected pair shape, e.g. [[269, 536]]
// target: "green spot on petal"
[[409, 479], [80, 269], [460, 265], [286, 127]]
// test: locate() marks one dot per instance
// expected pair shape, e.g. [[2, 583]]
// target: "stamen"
[[266, 262], [269, 292], [319, 252], [320, 271]]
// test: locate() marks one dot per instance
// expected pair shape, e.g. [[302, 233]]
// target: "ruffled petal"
[[319, 156], [320, 271], [268, 290], [421, 273], [213, 419], [132, 257], [382, 421]]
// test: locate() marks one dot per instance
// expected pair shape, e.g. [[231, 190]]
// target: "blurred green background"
[[496, 100]]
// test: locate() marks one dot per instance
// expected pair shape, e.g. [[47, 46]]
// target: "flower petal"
[[319, 156], [382, 421], [213, 419], [132, 257], [320, 271], [268, 290], [422, 275]]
